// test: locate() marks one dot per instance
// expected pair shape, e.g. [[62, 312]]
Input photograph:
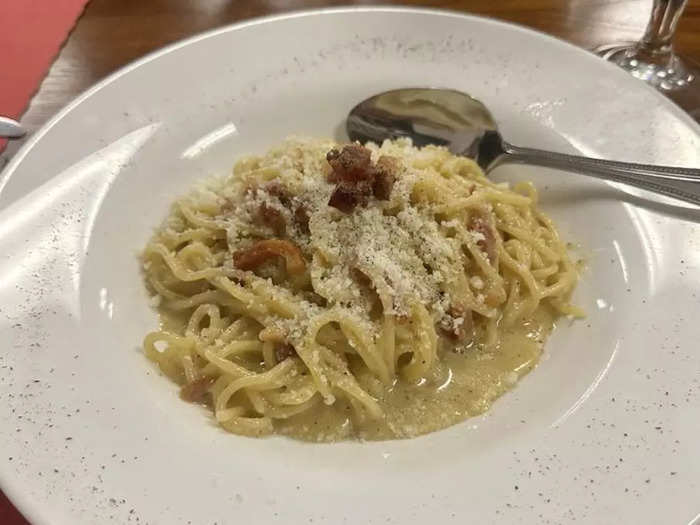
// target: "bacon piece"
[[301, 219], [351, 165], [385, 175], [457, 324], [276, 189], [255, 255], [331, 157], [344, 199], [357, 178], [481, 223], [196, 391], [382, 186], [360, 276], [272, 218], [284, 351]]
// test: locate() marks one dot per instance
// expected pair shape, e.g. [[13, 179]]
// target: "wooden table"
[[112, 33]]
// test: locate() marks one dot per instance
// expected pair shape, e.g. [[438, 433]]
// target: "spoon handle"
[[681, 183], [10, 129]]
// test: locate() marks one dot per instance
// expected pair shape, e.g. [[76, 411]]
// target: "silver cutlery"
[[10, 129], [465, 126]]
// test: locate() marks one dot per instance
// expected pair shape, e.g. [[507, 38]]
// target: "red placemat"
[[8, 514], [31, 34]]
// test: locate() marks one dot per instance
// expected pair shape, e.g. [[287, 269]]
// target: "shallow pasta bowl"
[[601, 431]]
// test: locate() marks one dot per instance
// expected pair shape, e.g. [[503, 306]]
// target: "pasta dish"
[[328, 291]]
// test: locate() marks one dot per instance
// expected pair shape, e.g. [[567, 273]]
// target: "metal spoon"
[[10, 129], [465, 126]]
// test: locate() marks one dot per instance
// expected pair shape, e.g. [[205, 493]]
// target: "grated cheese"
[[397, 244]]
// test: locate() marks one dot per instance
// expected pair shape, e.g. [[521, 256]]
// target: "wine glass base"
[[678, 79], [667, 75]]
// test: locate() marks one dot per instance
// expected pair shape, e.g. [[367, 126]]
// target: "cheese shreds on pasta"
[[328, 291]]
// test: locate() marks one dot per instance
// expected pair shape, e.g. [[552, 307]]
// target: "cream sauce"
[[462, 385]]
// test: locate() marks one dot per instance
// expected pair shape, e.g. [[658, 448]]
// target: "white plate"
[[603, 431]]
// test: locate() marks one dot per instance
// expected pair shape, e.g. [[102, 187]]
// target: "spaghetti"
[[326, 292]]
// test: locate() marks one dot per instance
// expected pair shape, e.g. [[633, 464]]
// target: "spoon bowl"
[[465, 126], [443, 117]]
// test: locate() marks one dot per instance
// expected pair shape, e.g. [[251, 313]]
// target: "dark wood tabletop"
[[112, 33]]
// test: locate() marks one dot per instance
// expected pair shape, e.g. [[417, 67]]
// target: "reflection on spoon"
[[465, 126]]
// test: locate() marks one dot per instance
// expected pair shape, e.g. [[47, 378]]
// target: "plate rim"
[[12, 490], [24, 150]]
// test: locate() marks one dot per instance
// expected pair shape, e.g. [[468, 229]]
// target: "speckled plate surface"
[[603, 431]]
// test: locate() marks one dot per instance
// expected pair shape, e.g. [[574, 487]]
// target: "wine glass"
[[653, 60]]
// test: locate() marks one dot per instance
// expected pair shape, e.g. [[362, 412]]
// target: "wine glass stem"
[[658, 38]]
